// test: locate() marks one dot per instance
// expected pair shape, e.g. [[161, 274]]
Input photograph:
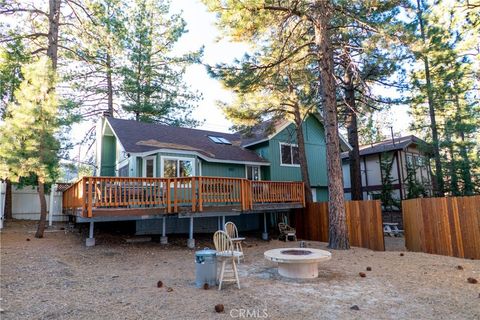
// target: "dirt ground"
[[59, 278]]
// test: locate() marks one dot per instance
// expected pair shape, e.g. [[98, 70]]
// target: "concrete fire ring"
[[298, 263]]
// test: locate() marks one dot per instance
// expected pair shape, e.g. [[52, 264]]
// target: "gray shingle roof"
[[389, 145], [262, 131], [139, 137]]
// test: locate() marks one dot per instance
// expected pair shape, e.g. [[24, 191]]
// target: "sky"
[[203, 32]]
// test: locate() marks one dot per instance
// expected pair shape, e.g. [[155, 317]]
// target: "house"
[[162, 174], [129, 148], [404, 155]]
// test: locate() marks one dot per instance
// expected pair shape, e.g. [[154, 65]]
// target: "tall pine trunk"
[[431, 109], [338, 232], [52, 53], [352, 132], [53, 26], [109, 85], [302, 156], [465, 165], [43, 209], [452, 168]]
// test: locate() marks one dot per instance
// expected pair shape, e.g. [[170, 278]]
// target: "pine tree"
[[153, 84], [414, 187], [454, 90], [28, 145], [311, 23], [98, 51], [386, 196], [367, 59], [287, 91], [12, 56]]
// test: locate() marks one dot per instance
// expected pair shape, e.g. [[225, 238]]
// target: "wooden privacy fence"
[[364, 221], [445, 226]]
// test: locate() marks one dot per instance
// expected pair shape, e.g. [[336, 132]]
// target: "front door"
[[253, 173]]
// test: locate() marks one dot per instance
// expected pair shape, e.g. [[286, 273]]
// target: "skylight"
[[219, 140]]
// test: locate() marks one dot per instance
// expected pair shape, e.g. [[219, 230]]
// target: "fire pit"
[[297, 263]]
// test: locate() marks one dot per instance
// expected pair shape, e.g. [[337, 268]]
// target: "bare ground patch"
[[59, 278]]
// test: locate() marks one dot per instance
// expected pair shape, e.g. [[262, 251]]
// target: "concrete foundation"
[[90, 242], [163, 240], [191, 243]]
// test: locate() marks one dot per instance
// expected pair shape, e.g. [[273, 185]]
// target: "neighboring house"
[[129, 148], [405, 152]]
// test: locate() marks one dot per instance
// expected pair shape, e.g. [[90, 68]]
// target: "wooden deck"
[[92, 197]]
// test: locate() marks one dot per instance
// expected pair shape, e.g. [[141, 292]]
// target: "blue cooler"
[[205, 267]]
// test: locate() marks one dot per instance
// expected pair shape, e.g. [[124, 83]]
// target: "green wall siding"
[[315, 149], [108, 156], [210, 169], [322, 194]]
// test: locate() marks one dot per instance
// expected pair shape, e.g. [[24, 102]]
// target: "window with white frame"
[[177, 167], [289, 154], [149, 165]]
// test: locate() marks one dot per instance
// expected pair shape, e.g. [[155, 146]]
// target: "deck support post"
[[265, 233], [90, 242], [191, 241], [164, 238], [223, 223]]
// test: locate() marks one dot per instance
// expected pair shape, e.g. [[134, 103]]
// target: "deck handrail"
[[173, 194]]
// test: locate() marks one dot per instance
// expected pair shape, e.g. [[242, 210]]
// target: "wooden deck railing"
[[193, 194]]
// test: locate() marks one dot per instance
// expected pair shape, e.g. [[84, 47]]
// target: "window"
[[219, 140], [253, 173], [148, 167], [178, 167], [410, 160], [289, 155]]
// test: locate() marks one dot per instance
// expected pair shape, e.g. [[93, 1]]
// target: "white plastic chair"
[[226, 253], [232, 231]]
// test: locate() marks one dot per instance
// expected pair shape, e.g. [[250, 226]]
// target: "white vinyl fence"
[[26, 204]]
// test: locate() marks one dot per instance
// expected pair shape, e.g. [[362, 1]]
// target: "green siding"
[[210, 169], [322, 194], [108, 156], [139, 167], [315, 149]]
